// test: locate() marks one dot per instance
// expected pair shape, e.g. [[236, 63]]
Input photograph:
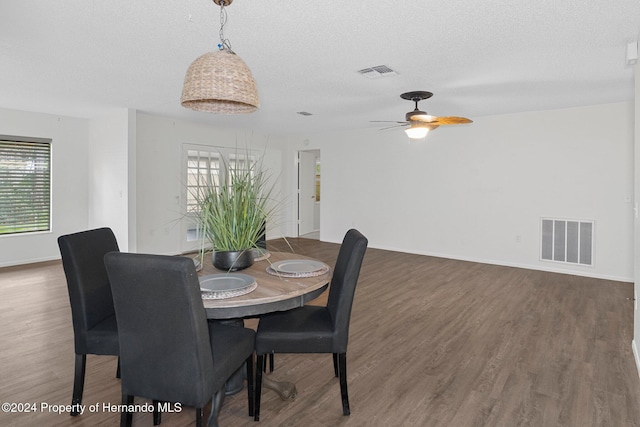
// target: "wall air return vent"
[[377, 72], [567, 241]]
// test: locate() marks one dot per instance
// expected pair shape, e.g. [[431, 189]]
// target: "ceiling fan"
[[419, 122]]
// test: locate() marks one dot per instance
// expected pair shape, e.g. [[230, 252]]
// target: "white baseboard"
[[28, 261], [636, 355], [550, 268]]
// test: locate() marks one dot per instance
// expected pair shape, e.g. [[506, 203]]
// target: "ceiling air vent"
[[377, 72]]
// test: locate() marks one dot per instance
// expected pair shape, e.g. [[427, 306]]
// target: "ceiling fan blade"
[[396, 126], [451, 120], [386, 121]]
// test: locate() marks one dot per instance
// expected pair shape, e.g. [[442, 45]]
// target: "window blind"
[[25, 186]]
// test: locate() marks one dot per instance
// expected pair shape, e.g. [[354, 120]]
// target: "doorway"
[[309, 194]]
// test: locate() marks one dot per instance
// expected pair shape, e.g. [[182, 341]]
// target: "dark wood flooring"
[[434, 342]]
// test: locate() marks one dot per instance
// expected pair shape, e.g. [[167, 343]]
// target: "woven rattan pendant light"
[[220, 82]]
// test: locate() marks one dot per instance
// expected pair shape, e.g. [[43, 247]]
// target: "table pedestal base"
[[235, 383], [286, 390]]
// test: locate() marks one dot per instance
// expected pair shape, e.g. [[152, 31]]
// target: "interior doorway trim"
[[309, 172]]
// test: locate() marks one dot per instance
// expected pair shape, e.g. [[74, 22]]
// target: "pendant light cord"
[[224, 43]]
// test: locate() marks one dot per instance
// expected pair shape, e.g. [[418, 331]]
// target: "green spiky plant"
[[233, 212]]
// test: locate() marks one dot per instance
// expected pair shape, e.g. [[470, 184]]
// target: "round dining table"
[[274, 292]]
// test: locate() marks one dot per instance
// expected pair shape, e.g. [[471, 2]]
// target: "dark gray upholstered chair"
[[94, 322], [313, 329], [168, 350]]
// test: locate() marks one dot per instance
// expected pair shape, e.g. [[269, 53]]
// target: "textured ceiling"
[[84, 57]]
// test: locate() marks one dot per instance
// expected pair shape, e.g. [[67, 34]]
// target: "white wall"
[[160, 180], [472, 192], [102, 176], [109, 140], [477, 192], [69, 176]]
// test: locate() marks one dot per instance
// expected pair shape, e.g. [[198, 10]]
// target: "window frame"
[[227, 157], [41, 181]]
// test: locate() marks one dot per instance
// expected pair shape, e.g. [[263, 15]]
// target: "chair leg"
[[216, 404], [126, 417], [118, 368], [258, 388], [78, 383], [335, 364], [250, 384], [157, 414], [264, 364], [342, 368], [199, 417]]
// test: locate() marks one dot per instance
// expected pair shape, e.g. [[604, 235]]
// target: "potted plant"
[[233, 212]]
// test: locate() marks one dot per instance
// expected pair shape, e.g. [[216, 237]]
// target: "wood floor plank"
[[433, 342]]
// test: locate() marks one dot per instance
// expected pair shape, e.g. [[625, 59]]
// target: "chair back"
[[87, 282], [343, 285], [165, 350]]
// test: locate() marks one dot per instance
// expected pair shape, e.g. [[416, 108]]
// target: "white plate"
[[297, 266], [225, 282]]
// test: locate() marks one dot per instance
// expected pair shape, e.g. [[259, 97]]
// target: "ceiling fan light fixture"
[[418, 130], [416, 133], [220, 82], [418, 115]]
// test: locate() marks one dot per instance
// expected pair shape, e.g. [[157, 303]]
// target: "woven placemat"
[[325, 269], [260, 254], [229, 294]]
